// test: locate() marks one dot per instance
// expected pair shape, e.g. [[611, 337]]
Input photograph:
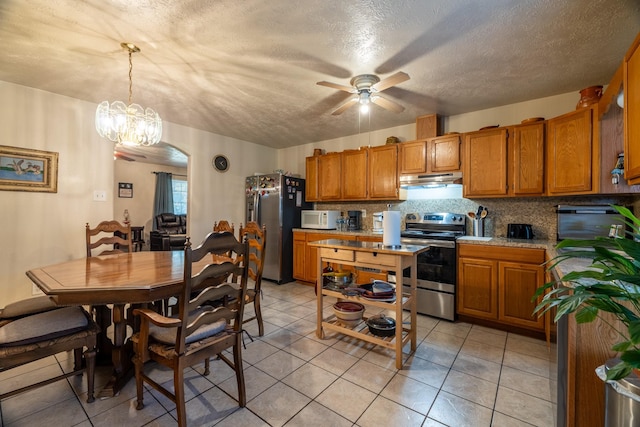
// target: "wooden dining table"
[[113, 285]]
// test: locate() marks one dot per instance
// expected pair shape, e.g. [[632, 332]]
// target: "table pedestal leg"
[[120, 353]]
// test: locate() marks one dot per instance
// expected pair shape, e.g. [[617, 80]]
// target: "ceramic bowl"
[[349, 313]]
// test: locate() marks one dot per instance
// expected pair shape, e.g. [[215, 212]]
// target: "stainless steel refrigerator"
[[276, 201]]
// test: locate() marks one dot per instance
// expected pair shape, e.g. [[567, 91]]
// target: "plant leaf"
[[619, 371]]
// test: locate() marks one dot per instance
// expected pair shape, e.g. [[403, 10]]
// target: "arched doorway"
[[134, 167]]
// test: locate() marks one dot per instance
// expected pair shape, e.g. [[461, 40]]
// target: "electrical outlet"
[[364, 213], [99, 196]]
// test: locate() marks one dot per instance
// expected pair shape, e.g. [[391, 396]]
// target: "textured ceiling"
[[248, 68]]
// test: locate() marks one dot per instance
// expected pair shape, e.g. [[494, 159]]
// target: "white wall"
[[47, 228]]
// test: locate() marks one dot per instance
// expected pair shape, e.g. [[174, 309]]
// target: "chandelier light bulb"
[[130, 125]]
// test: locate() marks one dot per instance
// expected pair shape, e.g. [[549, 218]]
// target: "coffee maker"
[[377, 222], [354, 220]]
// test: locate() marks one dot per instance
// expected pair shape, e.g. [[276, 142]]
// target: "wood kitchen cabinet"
[[505, 161], [572, 148], [354, 174], [383, 172], [299, 249], [363, 174], [496, 283], [311, 179], [433, 155], [485, 163], [477, 287], [631, 85], [527, 159], [413, 157], [330, 176], [444, 154]]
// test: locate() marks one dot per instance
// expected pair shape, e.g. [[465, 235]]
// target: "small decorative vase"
[[589, 95]]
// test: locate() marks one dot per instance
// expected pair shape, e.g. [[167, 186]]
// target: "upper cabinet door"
[[311, 179], [413, 157], [383, 172], [329, 176], [354, 174], [631, 83], [444, 154], [572, 151], [528, 160], [485, 163]]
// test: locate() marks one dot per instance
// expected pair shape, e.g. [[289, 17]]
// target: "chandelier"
[[128, 124]]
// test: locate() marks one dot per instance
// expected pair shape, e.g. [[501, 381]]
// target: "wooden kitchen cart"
[[371, 255]]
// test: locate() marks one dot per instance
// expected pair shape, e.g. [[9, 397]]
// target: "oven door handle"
[[429, 242]]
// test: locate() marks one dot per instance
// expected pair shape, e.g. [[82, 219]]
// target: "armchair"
[[170, 234]]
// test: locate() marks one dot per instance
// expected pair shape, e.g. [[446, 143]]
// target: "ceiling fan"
[[365, 88], [124, 156]]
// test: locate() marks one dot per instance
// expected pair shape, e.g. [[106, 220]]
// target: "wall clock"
[[220, 163]]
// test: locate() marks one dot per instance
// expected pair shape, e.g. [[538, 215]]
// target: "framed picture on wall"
[[125, 189], [24, 169]]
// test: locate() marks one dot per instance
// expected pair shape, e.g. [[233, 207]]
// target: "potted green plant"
[[611, 284]]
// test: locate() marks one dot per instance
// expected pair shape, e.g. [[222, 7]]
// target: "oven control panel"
[[435, 218]]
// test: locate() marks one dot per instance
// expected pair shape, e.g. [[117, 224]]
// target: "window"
[[179, 188]]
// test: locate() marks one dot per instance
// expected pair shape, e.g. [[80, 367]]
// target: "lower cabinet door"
[[517, 282], [477, 290]]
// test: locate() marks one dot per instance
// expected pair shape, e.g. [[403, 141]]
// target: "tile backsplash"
[[540, 212]]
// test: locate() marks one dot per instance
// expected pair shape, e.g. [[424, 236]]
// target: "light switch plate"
[[99, 196]]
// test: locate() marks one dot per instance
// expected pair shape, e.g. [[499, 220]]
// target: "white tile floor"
[[460, 375]]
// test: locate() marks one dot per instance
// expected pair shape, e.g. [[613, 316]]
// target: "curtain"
[[163, 200]]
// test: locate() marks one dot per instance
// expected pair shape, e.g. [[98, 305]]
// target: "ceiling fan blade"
[[393, 80], [349, 89], [387, 104], [343, 107], [123, 157]]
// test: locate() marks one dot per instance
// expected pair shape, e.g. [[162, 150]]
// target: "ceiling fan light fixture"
[[129, 125]]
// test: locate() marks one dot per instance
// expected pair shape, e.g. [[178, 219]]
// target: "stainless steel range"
[[437, 267]]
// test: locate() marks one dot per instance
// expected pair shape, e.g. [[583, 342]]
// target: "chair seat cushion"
[[168, 335], [27, 306], [43, 326]]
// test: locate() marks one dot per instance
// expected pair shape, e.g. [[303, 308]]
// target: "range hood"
[[430, 180]]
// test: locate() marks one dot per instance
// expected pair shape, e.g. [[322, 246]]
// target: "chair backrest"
[[215, 245], [109, 233], [223, 225], [257, 239]]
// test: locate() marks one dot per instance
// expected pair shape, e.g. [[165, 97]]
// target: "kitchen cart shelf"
[[373, 255], [406, 299], [361, 331]]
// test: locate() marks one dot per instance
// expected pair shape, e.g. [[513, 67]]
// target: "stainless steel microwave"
[[319, 220]]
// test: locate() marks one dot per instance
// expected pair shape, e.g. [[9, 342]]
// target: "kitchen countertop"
[[567, 266], [334, 231], [549, 245]]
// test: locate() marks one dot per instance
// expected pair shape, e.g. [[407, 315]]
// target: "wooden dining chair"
[[257, 239], [35, 328], [109, 237], [199, 331], [223, 225]]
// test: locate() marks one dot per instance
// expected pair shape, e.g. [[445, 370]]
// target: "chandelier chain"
[[130, 77]]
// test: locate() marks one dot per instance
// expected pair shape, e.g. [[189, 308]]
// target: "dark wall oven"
[[437, 267]]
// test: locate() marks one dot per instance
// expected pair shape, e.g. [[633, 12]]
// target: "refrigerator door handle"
[[256, 208]]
